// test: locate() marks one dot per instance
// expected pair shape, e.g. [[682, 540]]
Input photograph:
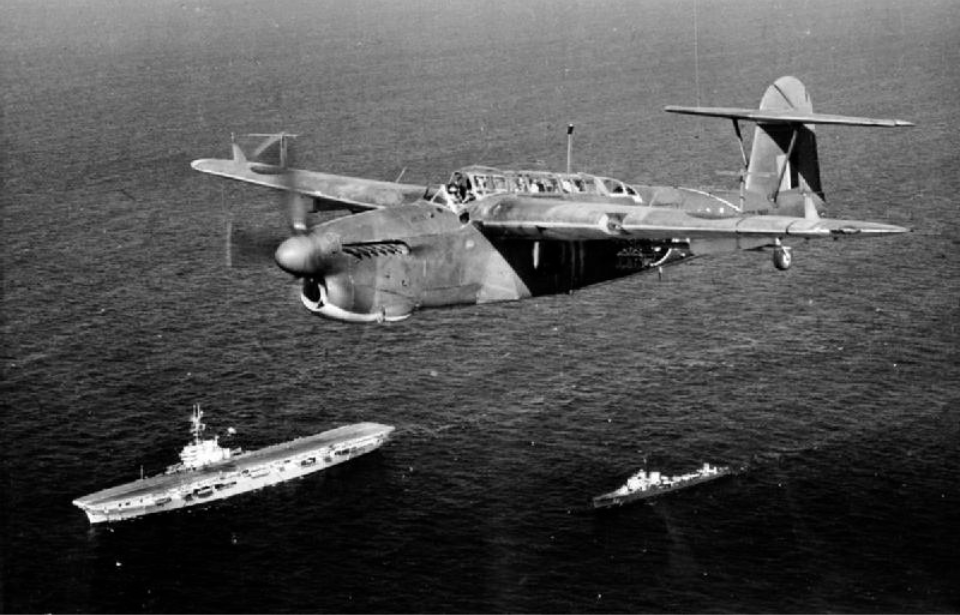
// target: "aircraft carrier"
[[208, 472], [643, 485]]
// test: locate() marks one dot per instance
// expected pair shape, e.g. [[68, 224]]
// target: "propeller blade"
[[251, 247], [279, 156], [297, 207]]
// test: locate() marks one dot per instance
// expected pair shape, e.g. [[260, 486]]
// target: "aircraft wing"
[[328, 191], [537, 218]]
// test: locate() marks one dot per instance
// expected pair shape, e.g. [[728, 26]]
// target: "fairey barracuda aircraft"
[[497, 235]]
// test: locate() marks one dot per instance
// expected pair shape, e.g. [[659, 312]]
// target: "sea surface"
[[835, 385]]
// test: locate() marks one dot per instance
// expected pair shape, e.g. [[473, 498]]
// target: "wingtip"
[[869, 229], [212, 165], [206, 164], [894, 229]]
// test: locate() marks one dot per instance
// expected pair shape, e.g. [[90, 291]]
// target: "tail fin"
[[784, 151], [784, 155]]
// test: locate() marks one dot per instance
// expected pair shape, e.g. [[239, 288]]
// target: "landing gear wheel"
[[782, 258]]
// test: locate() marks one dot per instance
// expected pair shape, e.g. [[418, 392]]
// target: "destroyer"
[[645, 484], [208, 471]]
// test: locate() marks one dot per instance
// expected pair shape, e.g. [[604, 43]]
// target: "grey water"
[[834, 384]]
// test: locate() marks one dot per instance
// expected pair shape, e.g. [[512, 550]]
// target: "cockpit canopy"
[[476, 182]]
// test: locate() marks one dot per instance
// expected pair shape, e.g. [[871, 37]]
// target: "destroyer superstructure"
[[645, 484], [209, 472]]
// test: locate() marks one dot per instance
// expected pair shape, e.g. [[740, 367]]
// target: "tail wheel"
[[782, 258]]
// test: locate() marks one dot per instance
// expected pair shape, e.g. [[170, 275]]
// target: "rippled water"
[[834, 384]]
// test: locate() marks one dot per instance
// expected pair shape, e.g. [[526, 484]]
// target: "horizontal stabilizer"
[[784, 116]]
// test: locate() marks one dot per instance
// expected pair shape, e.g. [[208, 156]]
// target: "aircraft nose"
[[302, 255]]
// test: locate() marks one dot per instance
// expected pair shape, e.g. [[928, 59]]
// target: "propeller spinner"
[[307, 256]]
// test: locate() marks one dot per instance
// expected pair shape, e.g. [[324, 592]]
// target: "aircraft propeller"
[[250, 246], [273, 156], [295, 206], [301, 254]]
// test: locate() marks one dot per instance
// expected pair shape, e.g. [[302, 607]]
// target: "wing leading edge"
[[328, 191]]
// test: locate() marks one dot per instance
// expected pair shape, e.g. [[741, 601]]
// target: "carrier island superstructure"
[[209, 472]]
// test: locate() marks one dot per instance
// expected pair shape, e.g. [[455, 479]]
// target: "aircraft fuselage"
[[385, 264]]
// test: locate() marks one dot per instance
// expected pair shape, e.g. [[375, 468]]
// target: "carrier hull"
[[240, 474]]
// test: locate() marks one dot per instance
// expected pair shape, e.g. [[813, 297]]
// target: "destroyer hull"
[[241, 474], [616, 498]]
